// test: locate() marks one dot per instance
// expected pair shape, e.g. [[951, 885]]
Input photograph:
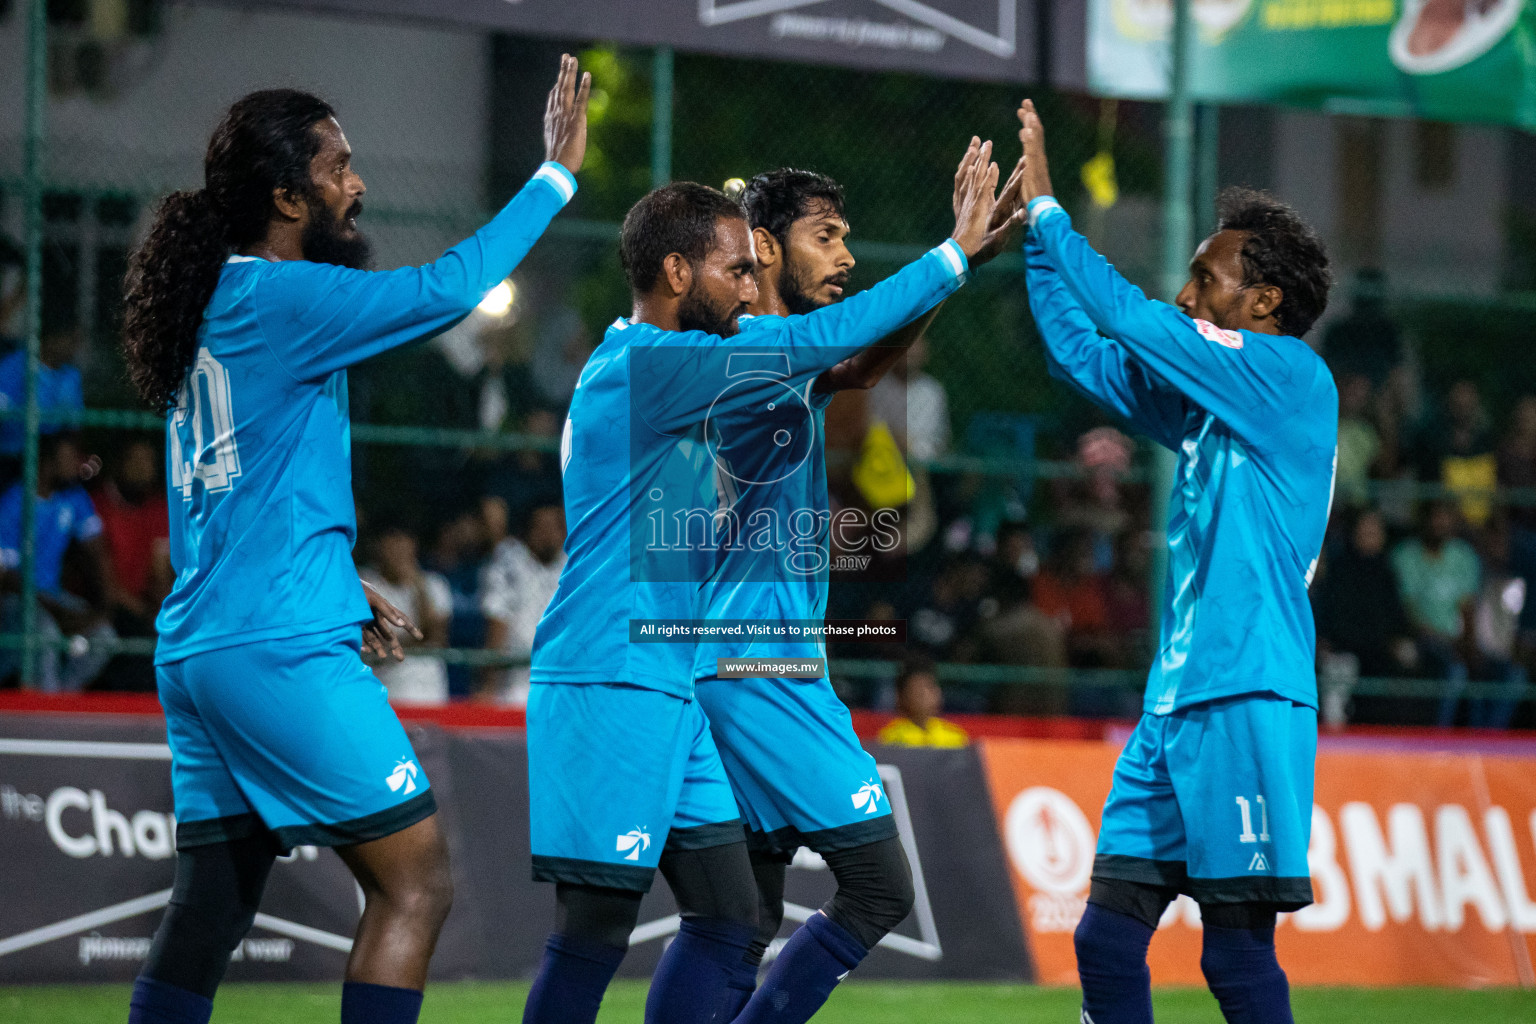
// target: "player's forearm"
[[1114, 305], [668, 392], [865, 369], [319, 319], [834, 333], [1066, 333], [463, 275], [1077, 355], [1249, 383]]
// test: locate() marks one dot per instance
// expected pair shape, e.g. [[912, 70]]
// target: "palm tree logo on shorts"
[[868, 797], [635, 841], [404, 775]]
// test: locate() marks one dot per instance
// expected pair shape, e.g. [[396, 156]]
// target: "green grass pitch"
[[854, 1003]]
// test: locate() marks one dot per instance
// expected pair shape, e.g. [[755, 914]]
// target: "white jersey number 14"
[[202, 431]]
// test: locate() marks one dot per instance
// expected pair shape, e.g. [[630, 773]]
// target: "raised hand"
[[1007, 218], [565, 117], [963, 173], [1037, 170], [974, 202]]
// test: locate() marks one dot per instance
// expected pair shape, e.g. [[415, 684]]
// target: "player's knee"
[[418, 889], [213, 905], [426, 896], [596, 914], [874, 889], [1110, 944], [898, 895], [1238, 946], [714, 882], [768, 870], [433, 898], [770, 917], [221, 923], [1091, 942], [1117, 926], [768, 925], [1086, 942]]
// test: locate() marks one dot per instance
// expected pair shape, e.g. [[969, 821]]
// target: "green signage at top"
[[1453, 60]]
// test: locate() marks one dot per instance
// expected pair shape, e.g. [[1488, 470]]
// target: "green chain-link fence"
[[423, 455]]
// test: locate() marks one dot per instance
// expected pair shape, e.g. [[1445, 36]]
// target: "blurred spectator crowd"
[[1424, 575]]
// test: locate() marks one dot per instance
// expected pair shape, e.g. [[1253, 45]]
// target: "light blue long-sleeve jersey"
[[639, 467], [1253, 419], [771, 476], [258, 449]]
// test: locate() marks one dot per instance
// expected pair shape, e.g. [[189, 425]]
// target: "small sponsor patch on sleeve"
[[1231, 339]]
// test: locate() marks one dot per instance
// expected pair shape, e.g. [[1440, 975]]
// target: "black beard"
[[695, 313], [326, 241], [794, 292]]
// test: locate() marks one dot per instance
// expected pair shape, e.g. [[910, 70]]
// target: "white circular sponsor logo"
[[1435, 36], [1049, 840]]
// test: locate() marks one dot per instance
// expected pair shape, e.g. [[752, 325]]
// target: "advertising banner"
[[1423, 866], [87, 848], [1461, 60], [88, 851], [981, 39]]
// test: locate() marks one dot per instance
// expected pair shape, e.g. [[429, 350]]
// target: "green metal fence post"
[[1178, 157], [1178, 153], [37, 85], [661, 116], [1207, 164]]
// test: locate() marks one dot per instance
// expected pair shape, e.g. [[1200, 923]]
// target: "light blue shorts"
[[795, 764], [293, 735], [616, 773], [1215, 800]]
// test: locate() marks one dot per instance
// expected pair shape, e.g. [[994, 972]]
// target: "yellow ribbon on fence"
[[881, 473]]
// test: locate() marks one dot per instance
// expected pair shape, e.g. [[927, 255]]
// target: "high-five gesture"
[[565, 117], [1037, 172], [1007, 218], [975, 185]]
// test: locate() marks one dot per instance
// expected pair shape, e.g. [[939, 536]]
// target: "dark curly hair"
[[676, 218], [1281, 250], [776, 199], [265, 142]]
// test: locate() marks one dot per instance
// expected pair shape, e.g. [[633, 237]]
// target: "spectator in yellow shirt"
[[918, 703]]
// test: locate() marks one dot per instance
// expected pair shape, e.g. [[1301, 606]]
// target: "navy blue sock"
[[1244, 976], [1112, 966], [818, 956], [691, 982], [362, 1003], [743, 981], [155, 1002], [571, 981]]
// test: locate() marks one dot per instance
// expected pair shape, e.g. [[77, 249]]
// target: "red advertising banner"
[[1423, 866]]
